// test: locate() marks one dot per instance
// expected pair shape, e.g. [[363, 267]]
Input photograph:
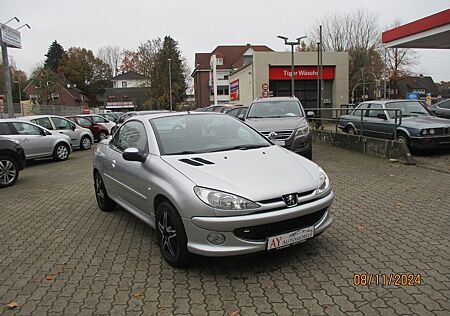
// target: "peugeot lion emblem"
[[290, 200], [272, 135]]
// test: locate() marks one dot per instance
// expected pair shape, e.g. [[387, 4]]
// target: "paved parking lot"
[[60, 255]]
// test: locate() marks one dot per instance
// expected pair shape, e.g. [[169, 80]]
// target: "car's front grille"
[[262, 232], [280, 135], [280, 199]]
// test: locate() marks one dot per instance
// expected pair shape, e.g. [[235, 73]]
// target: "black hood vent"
[[197, 162]]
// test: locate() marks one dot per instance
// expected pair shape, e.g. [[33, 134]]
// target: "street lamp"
[[292, 44], [170, 84]]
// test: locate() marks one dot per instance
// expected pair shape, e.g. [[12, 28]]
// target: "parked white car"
[[80, 137], [97, 119], [37, 142]]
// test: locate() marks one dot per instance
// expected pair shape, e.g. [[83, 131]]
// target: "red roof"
[[232, 55]]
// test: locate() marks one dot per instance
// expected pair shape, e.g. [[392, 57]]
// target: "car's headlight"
[[431, 131], [224, 201], [423, 132], [304, 130], [324, 182]]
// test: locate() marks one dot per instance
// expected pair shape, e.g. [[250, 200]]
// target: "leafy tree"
[[160, 76], [46, 83], [88, 72], [54, 55], [18, 77]]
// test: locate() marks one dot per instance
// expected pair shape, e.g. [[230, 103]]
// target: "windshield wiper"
[[239, 147]]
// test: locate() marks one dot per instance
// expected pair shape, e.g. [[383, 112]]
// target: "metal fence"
[[40, 109], [331, 119]]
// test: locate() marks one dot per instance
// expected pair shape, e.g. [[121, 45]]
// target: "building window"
[[124, 84]]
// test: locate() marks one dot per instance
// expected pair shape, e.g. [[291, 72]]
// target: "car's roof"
[[389, 101], [167, 114], [38, 116], [275, 99]]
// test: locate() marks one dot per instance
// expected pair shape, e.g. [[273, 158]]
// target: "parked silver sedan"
[[80, 137], [37, 142], [210, 185]]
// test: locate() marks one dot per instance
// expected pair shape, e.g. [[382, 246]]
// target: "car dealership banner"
[[234, 90], [300, 72]]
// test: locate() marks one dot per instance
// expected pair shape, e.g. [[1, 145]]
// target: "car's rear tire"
[[61, 152], [85, 143], [172, 239], [9, 171], [350, 130], [102, 135], [104, 202]]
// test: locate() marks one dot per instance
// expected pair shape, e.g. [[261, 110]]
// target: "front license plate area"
[[281, 143], [291, 238]]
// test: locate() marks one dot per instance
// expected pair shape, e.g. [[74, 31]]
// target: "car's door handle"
[[113, 163], [61, 132], [25, 139]]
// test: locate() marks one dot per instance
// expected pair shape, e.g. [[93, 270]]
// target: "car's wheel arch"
[[160, 198], [403, 130], [350, 124]]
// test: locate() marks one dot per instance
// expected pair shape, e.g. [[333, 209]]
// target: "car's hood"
[[256, 174], [274, 124], [425, 122]]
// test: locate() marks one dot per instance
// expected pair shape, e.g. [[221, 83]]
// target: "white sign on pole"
[[10, 36]]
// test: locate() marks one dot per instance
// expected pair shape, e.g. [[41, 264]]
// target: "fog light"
[[216, 238]]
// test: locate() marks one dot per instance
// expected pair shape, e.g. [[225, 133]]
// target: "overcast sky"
[[198, 25]]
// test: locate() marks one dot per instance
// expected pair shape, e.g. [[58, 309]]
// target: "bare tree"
[[400, 60], [357, 33], [110, 55]]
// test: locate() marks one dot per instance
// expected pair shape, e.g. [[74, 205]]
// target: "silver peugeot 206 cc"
[[210, 185]]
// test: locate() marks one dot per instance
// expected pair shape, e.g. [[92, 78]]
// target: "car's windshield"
[[192, 133], [267, 109], [409, 108]]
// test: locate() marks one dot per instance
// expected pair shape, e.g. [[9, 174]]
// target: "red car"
[[99, 131]]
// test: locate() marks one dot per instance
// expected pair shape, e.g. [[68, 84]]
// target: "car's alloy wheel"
[[103, 200], [86, 143], [171, 235], [8, 172], [102, 136], [61, 152]]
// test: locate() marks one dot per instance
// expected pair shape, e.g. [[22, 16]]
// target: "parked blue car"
[[414, 124]]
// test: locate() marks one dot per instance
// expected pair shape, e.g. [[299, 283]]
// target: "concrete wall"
[[263, 60]]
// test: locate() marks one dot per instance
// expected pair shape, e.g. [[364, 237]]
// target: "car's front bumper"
[[430, 142], [198, 228], [301, 145]]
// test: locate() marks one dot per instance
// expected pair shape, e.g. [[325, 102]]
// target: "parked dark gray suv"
[[283, 121]]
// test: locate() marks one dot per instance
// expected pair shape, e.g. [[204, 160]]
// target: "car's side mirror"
[[73, 127], [241, 117], [134, 154], [43, 132], [382, 116], [310, 114]]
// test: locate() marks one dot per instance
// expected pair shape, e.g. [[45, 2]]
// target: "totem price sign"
[[10, 36], [234, 90]]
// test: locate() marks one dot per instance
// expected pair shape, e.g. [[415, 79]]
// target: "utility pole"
[[7, 79], [9, 37], [213, 63], [170, 85], [386, 73], [321, 69], [318, 77], [292, 44]]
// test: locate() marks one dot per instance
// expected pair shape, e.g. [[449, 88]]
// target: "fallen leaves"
[[235, 313], [50, 278], [12, 305], [137, 295]]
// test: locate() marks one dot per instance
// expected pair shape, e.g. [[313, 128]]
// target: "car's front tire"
[[85, 143], [102, 136], [350, 130], [61, 152], [403, 138], [172, 239], [9, 171]]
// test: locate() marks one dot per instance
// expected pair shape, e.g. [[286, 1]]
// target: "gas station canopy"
[[429, 32]]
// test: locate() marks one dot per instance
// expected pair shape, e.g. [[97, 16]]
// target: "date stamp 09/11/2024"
[[381, 279]]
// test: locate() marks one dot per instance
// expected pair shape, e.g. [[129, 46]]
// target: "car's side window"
[[375, 109], [61, 123], [5, 129], [445, 105], [131, 134], [98, 119], [84, 122], [361, 107], [26, 129], [44, 122]]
